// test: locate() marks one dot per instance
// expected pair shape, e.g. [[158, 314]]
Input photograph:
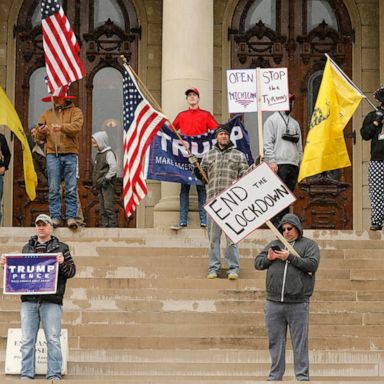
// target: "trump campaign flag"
[[336, 102], [141, 123], [61, 49]]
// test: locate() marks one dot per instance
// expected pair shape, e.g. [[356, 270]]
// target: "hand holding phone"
[[276, 248]]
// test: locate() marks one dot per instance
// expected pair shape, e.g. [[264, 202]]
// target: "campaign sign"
[[30, 273], [241, 85], [13, 354], [242, 90], [249, 203]]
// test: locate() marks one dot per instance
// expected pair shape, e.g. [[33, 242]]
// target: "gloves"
[[192, 160]]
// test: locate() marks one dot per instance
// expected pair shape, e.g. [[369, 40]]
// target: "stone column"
[[187, 61]]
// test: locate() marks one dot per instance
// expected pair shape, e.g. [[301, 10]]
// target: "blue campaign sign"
[[30, 273], [168, 159]]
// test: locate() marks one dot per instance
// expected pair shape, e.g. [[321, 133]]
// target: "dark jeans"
[[289, 174], [107, 208]]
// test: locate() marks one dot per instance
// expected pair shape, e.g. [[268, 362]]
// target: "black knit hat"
[[222, 128], [379, 94]]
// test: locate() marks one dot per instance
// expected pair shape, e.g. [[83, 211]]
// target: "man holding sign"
[[223, 164], [47, 309], [283, 149]]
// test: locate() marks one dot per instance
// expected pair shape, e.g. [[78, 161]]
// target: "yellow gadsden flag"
[[9, 117], [336, 102]]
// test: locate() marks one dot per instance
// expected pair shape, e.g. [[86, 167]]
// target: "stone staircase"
[[141, 310]]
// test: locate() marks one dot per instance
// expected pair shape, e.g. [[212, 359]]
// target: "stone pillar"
[[187, 61]]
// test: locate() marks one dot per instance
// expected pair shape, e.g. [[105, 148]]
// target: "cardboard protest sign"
[[242, 90], [30, 273], [249, 203]]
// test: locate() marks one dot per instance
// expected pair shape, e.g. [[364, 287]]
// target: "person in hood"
[[46, 308], [223, 165], [373, 131], [103, 178], [59, 129], [290, 282]]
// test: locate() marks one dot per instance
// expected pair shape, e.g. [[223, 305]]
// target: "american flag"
[[141, 123], [61, 48]]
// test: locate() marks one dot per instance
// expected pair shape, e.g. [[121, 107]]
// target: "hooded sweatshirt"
[[105, 167], [293, 280]]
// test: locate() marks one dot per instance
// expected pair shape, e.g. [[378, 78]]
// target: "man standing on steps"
[[223, 165], [290, 282], [193, 122], [44, 309]]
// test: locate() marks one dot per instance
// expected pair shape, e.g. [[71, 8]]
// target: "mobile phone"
[[276, 248]]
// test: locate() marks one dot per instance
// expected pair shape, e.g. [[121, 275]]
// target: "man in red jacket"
[[193, 122]]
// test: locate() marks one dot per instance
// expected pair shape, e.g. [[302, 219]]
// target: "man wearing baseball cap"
[[44, 308], [193, 122]]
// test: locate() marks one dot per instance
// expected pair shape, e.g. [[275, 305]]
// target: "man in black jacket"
[[290, 282], [46, 309], [5, 158]]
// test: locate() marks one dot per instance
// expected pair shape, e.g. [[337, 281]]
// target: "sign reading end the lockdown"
[[30, 273], [249, 203]]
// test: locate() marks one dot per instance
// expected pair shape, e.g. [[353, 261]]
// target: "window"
[[107, 9], [319, 11], [107, 107], [37, 90], [264, 10]]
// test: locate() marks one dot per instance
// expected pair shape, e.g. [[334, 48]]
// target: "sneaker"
[[178, 226], [233, 276], [202, 225], [72, 224], [212, 275], [56, 223], [375, 227]]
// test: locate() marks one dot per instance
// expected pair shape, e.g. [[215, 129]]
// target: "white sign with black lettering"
[[249, 203], [242, 90], [13, 354]]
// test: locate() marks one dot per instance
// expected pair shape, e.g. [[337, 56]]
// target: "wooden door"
[[296, 34], [105, 30]]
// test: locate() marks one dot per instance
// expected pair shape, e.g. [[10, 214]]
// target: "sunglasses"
[[287, 229]]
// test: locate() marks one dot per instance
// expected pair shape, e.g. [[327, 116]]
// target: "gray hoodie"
[[102, 141], [293, 280]]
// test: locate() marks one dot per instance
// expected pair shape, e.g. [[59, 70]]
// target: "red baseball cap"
[[195, 90], [48, 98]]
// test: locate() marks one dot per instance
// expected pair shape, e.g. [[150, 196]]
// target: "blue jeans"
[[231, 252], [62, 167], [184, 203], [50, 317], [1, 197]]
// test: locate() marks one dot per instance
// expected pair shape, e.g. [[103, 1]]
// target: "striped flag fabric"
[[141, 123], [61, 49]]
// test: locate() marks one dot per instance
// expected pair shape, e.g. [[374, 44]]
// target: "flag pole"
[[350, 81], [155, 103]]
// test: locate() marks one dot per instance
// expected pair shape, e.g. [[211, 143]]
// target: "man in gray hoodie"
[[103, 178], [290, 282]]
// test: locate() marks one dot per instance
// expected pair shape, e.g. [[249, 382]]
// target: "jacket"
[[223, 167], [370, 131], [105, 167], [66, 141], [276, 149], [293, 280], [66, 270]]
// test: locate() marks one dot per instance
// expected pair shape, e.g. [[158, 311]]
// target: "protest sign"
[[13, 353], [242, 90], [30, 273], [249, 203], [167, 158]]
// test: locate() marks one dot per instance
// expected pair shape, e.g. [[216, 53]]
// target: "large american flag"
[[61, 49], [141, 123]]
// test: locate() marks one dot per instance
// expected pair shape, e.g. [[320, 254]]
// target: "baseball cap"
[[222, 128], [195, 90], [44, 218]]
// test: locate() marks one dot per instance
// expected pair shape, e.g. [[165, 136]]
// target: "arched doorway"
[[105, 30], [296, 34]]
